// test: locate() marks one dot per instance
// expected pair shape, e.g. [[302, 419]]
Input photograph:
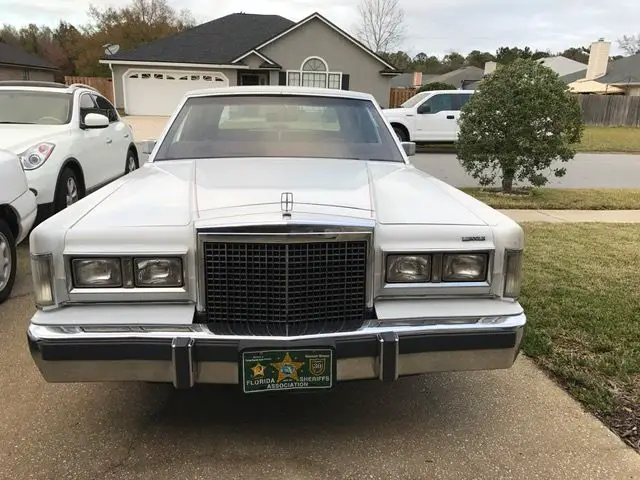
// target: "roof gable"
[[216, 42], [10, 55], [304, 21]]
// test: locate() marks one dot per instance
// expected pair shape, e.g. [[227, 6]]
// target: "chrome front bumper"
[[188, 354]]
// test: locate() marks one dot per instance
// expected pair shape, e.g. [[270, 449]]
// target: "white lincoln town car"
[[278, 238]]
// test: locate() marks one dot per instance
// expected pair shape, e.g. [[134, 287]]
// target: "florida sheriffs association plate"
[[293, 369]]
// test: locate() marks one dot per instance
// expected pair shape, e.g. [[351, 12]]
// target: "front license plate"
[[294, 369]]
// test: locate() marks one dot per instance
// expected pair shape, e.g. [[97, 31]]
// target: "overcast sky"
[[433, 27]]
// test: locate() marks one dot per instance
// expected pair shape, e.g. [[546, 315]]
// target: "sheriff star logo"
[[258, 370], [287, 368]]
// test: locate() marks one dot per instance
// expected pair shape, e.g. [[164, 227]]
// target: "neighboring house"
[[459, 78], [245, 49], [622, 75], [563, 65], [16, 64], [411, 80]]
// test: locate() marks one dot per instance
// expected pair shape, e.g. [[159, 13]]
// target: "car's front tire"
[[68, 190], [8, 260], [132, 162]]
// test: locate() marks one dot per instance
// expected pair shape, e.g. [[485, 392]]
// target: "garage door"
[[149, 92]]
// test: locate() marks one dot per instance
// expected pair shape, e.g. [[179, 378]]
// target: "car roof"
[[31, 85], [280, 90]]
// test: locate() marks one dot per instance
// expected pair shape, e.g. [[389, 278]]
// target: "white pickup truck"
[[429, 117], [17, 213]]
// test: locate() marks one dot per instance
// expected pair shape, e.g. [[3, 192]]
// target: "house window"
[[314, 72]]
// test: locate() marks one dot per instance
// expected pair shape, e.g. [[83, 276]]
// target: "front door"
[[437, 118]]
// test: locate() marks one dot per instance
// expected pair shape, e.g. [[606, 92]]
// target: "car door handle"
[[126, 135], [109, 140], [451, 117]]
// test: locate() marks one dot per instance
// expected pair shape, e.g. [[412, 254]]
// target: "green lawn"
[[582, 297], [610, 139], [562, 198]]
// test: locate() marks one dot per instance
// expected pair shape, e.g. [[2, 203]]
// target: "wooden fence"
[[103, 85], [602, 110]]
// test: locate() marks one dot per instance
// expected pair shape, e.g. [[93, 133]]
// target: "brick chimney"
[[598, 59], [417, 79]]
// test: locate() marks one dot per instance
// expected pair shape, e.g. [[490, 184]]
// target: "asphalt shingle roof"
[[219, 41], [621, 71], [10, 55]]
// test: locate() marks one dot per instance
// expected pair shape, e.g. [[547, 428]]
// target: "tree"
[[399, 59], [579, 54], [381, 26], [630, 44], [476, 58], [521, 120], [453, 61], [436, 86]]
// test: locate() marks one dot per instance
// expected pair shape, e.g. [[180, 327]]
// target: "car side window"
[[437, 103], [106, 108], [87, 105], [461, 100]]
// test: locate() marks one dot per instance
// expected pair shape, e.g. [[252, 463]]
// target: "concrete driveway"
[[587, 170], [510, 424]]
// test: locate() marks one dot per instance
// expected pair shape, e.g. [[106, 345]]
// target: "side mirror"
[[147, 146], [409, 148], [424, 109], [95, 120]]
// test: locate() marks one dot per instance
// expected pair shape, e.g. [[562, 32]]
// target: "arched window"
[[314, 72]]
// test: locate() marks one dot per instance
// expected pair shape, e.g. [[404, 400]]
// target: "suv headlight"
[[97, 272], [464, 267], [408, 268], [36, 155], [158, 272]]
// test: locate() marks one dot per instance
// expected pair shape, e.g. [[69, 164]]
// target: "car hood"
[[208, 190], [17, 138]]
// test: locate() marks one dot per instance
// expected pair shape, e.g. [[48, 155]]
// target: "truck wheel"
[[8, 257], [402, 135]]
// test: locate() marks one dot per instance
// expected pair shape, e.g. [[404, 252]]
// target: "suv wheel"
[[8, 258], [132, 162], [68, 190]]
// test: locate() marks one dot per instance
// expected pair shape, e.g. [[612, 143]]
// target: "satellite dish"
[[111, 49]]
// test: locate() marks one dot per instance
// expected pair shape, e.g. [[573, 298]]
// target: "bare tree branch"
[[630, 44], [381, 25]]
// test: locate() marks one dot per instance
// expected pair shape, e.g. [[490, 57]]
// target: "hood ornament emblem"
[[286, 204]]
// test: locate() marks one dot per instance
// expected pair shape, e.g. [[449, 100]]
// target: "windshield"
[[279, 126], [33, 107], [413, 101]]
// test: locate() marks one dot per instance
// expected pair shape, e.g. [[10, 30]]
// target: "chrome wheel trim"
[[5, 261], [131, 163], [72, 191]]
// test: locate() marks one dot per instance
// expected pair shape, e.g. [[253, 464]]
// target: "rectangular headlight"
[[513, 273], [408, 268], [464, 267], [97, 272], [158, 272], [42, 276]]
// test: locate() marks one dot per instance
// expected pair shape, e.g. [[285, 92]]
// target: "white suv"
[[70, 140], [429, 117], [17, 214]]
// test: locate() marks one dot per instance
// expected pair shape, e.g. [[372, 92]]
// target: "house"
[[16, 64], [460, 78], [618, 76], [245, 49], [411, 80], [563, 65]]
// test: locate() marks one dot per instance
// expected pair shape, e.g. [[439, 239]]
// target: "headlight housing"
[[464, 267], [408, 268], [36, 155], [513, 273], [97, 272], [158, 272]]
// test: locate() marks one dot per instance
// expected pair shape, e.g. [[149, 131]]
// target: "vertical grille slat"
[[285, 289]]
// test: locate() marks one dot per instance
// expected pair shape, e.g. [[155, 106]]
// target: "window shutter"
[[345, 81], [282, 79]]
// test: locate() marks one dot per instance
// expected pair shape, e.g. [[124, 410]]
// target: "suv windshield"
[[34, 107], [279, 126]]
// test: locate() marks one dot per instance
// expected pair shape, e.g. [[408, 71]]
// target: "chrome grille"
[[285, 289]]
